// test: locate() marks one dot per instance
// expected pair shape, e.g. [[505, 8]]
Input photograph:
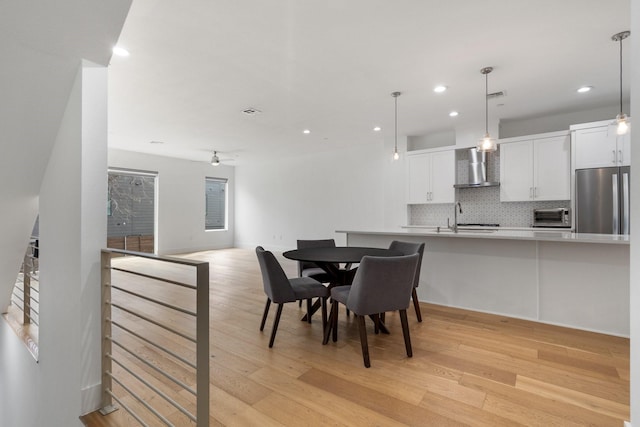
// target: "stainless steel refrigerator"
[[602, 200]]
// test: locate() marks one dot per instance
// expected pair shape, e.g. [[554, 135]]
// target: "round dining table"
[[330, 258]]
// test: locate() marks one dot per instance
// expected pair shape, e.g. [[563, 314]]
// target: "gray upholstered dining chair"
[[380, 284], [408, 248], [310, 269], [280, 290]]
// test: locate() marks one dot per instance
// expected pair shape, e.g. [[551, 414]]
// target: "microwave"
[[556, 217]]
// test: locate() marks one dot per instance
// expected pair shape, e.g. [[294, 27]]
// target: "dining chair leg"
[[416, 304], [383, 317], [308, 310], [299, 303], [264, 316], [275, 325], [376, 324], [324, 315], [405, 332], [334, 327], [363, 340], [329, 327]]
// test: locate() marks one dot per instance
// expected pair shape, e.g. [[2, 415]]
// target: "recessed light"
[[377, 129], [439, 89], [453, 114], [306, 131], [120, 51], [584, 89], [156, 142]]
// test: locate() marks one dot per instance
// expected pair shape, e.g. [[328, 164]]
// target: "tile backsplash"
[[481, 205]]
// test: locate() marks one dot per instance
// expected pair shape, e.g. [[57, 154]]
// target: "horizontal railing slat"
[[150, 276], [155, 301], [148, 341], [140, 400], [164, 374], [126, 408], [164, 258], [154, 388], [155, 322]]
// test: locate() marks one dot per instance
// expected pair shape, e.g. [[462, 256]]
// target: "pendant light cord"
[[395, 120], [486, 103], [396, 123], [621, 75]]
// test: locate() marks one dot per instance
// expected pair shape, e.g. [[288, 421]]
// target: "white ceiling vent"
[[251, 111]]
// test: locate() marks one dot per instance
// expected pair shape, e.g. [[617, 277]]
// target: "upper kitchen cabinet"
[[597, 145], [430, 177], [535, 168]]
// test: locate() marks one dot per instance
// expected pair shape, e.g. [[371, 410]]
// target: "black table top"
[[340, 254]]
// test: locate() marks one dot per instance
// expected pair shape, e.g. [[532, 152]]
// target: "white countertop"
[[493, 233]]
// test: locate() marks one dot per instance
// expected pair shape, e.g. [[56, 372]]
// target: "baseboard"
[[91, 398], [627, 424]]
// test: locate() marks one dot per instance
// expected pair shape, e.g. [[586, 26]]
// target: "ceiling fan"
[[215, 160]]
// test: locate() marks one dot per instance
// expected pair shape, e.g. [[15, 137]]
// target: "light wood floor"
[[468, 368]]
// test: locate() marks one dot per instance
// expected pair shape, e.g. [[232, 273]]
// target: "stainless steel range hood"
[[480, 185], [477, 171]]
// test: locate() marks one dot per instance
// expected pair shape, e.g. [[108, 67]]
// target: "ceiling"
[[330, 67]]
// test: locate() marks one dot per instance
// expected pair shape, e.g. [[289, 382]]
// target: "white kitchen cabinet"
[[430, 177], [598, 146], [536, 169], [418, 178]]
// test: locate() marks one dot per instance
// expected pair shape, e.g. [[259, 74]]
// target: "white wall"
[[634, 299], [434, 140], [181, 200], [394, 175], [278, 202], [41, 44], [65, 382], [557, 121]]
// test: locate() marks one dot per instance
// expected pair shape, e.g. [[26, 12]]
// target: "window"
[[131, 210], [215, 217]]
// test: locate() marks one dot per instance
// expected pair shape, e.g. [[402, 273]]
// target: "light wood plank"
[[583, 400]]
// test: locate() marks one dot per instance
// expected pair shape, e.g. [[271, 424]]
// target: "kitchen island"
[[557, 277]]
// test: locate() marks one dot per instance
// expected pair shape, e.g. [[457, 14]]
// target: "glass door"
[[131, 206]]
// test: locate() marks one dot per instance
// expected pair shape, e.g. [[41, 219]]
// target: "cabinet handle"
[[620, 156], [613, 156], [531, 192], [535, 192]]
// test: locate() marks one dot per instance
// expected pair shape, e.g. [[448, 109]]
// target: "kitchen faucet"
[[456, 207]]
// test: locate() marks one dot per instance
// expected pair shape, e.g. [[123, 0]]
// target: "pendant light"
[[486, 144], [622, 121], [395, 95]]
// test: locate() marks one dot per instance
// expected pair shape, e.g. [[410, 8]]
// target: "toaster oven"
[[556, 217]]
